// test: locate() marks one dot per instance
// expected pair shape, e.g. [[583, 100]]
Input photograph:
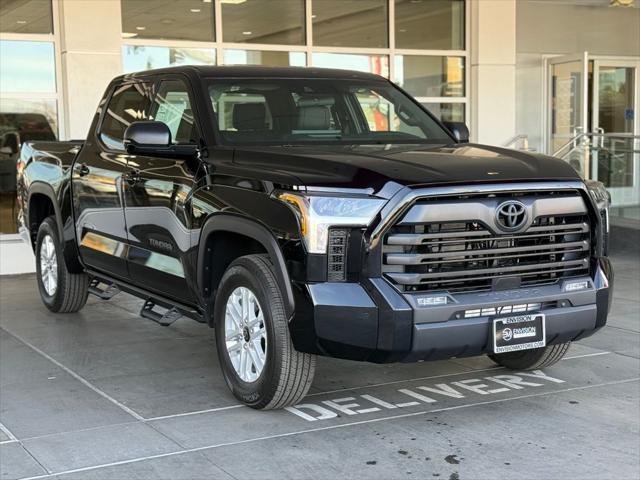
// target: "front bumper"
[[373, 321]]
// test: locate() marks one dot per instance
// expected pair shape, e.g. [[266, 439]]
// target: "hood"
[[375, 166]]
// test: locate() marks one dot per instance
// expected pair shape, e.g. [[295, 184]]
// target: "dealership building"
[[560, 77]]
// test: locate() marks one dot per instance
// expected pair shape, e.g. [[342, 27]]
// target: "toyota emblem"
[[511, 215]]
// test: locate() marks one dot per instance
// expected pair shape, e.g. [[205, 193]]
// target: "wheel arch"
[[42, 202], [238, 236]]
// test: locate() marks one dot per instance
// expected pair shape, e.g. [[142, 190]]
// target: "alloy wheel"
[[48, 265], [245, 334]]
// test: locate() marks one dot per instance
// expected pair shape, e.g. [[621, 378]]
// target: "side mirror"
[[459, 130], [153, 139]]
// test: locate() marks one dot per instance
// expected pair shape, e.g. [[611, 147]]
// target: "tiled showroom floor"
[[105, 394]]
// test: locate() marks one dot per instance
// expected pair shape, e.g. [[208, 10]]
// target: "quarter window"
[[128, 104]]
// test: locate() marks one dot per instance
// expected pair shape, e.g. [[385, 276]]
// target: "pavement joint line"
[[8, 433], [596, 354], [330, 427], [81, 379]]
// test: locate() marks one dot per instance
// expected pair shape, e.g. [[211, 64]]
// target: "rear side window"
[[129, 103], [172, 106]]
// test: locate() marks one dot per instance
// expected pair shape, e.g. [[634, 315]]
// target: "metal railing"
[[593, 140], [522, 140]]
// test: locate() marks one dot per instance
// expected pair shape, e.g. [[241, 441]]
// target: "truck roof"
[[257, 71]]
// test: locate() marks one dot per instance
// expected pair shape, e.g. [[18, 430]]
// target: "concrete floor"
[[105, 394]]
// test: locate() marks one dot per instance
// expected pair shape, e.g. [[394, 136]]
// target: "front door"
[[568, 114], [157, 205], [97, 182], [616, 160]]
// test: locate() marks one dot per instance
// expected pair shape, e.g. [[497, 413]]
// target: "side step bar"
[[165, 319], [106, 293], [151, 300]]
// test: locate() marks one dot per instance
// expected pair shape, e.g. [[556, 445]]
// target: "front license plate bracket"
[[519, 332]]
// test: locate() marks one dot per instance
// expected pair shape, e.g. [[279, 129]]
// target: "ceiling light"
[[21, 22], [233, 2], [141, 28], [206, 1], [247, 33], [129, 35], [195, 10]]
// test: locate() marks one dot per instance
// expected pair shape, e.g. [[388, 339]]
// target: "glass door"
[[568, 115], [616, 158]]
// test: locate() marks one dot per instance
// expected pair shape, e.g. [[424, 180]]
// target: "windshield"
[[318, 111]]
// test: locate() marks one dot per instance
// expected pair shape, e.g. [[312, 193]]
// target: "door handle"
[[132, 177], [83, 170]]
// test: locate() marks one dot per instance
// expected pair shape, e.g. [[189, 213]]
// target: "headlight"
[[602, 198], [318, 212]]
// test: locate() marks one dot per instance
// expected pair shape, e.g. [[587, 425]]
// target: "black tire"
[[532, 359], [287, 374], [72, 289]]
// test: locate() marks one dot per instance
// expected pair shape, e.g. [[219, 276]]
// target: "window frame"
[[309, 48]]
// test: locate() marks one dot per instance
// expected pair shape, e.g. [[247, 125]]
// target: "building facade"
[[536, 74]]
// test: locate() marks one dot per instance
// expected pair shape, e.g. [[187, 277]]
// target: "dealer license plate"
[[519, 332]]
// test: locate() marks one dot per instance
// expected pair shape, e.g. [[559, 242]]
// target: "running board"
[[146, 295], [165, 319], [107, 293]]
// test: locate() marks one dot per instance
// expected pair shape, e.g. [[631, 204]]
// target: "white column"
[[493, 70], [90, 47]]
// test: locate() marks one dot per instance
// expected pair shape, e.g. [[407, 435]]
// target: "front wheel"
[[258, 359], [61, 291], [532, 359]]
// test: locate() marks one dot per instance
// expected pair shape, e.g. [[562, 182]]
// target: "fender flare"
[[239, 224], [42, 188]]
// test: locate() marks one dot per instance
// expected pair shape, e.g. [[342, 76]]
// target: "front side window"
[[129, 103], [320, 111], [172, 106]]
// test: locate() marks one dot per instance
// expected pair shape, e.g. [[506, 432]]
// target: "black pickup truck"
[[305, 212]]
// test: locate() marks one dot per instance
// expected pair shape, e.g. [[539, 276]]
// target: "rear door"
[[98, 183], [157, 205]]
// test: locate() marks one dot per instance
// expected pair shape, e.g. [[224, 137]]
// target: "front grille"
[[468, 255]]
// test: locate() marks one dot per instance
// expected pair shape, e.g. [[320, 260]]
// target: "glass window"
[[26, 16], [430, 24], [318, 110], [272, 59], [168, 19], [382, 116], [27, 67], [350, 23], [21, 120], [128, 104], [447, 112], [264, 21], [424, 76], [173, 107], [136, 58], [378, 64]]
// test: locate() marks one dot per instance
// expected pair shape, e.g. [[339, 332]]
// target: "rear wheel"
[[61, 291], [532, 359], [258, 360]]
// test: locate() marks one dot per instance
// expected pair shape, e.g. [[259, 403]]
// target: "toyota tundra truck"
[[304, 212]]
